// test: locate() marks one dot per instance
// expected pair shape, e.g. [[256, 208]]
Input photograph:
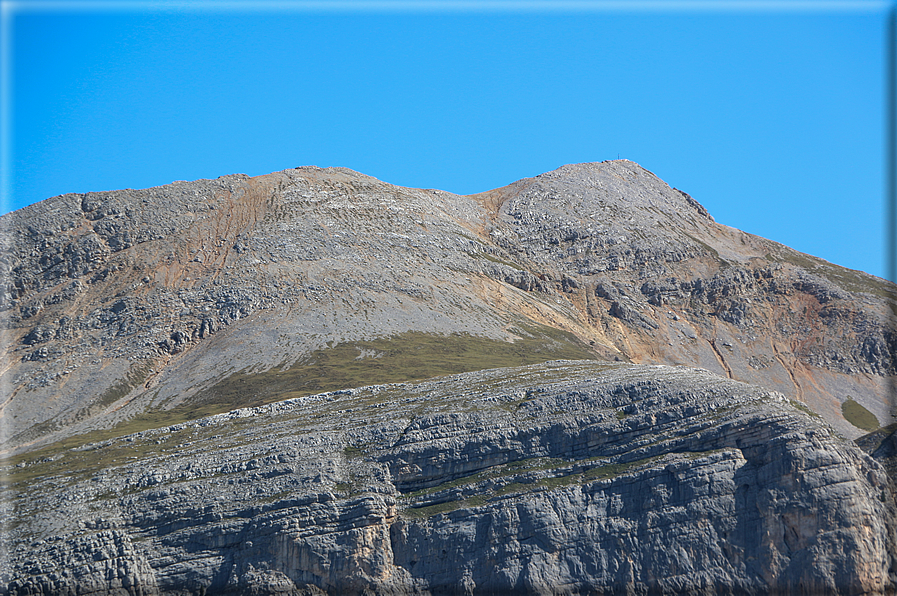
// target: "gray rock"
[[253, 274], [184, 303], [566, 477]]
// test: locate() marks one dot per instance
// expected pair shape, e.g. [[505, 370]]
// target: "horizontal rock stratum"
[[216, 387], [568, 477]]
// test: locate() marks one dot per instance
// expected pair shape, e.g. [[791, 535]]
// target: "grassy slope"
[[406, 357]]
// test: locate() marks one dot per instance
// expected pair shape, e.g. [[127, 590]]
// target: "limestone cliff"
[[567, 477]]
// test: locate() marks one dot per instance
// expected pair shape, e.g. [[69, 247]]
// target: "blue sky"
[[771, 114]]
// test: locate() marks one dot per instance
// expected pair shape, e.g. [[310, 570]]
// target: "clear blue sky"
[[771, 114]]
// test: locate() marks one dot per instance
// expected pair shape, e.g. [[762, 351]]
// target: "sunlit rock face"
[[564, 477], [215, 387]]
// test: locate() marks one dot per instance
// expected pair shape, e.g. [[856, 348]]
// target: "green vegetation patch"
[[553, 482], [609, 471], [508, 469], [710, 250], [406, 357], [134, 378], [410, 356], [60, 460], [353, 452], [805, 408], [587, 472], [596, 473], [859, 416], [431, 510]]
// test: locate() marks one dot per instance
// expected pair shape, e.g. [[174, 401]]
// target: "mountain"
[[226, 381]]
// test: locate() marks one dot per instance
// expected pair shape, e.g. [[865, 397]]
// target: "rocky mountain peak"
[[123, 301], [313, 381]]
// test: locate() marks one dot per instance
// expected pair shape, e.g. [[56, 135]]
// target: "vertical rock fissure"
[[797, 387], [722, 361]]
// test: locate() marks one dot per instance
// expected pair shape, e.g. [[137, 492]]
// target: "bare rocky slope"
[[148, 311]]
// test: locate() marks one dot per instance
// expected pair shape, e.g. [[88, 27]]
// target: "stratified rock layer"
[[569, 477]]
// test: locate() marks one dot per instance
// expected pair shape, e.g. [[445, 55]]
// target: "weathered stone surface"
[[114, 303], [566, 477], [149, 307]]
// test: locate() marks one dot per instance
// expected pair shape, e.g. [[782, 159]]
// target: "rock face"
[[207, 389], [119, 303], [568, 477]]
